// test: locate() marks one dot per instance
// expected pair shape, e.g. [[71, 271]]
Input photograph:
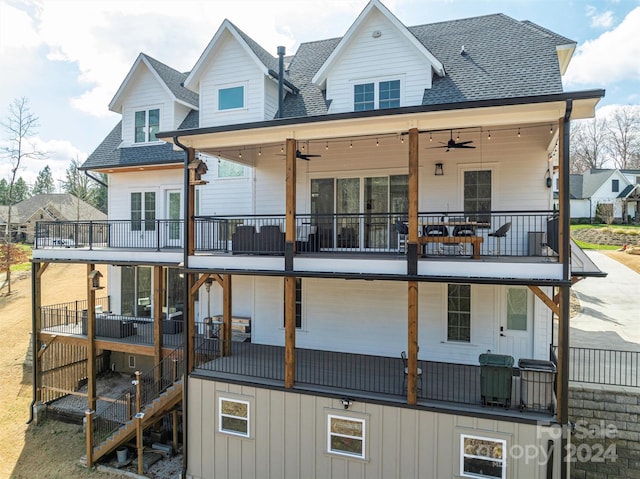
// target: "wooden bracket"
[[45, 345], [546, 300]]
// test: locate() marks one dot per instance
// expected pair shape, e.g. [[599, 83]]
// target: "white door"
[[516, 323], [173, 226]]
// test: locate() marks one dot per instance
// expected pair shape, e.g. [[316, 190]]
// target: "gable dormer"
[[235, 78], [378, 64], [151, 99]]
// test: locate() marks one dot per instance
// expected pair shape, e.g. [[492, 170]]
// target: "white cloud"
[[609, 110], [16, 30], [602, 20], [612, 57]]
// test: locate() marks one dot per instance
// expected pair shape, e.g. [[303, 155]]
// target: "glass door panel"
[[376, 222], [399, 202], [322, 210], [173, 215], [347, 209]]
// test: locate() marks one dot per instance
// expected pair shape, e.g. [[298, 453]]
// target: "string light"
[[551, 130], [351, 144], [260, 151], [326, 147], [281, 149], [489, 137], [377, 143], [518, 132], [458, 136], [430, 137], [402, 139], [239, 154]]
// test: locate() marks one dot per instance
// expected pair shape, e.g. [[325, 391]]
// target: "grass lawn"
[[633, 230]]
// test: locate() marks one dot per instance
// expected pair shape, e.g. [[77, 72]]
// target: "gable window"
[[147, 124], [231, 98], [298, 304], [482, 457], [459, 312], [369, 96], [229, 169], [346, 436], [233, 416], [615, 186], [517, 309], [477, 195], [143, 211]]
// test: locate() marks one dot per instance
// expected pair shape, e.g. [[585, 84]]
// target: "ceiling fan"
[[454, 144], [304, 156]]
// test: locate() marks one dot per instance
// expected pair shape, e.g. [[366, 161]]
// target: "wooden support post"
[[545, 299], [190, 324], [88, 415], [227, 308], [138, 382], [290, 204], [412, 348], [158, 301], [37, 315], [174, 423], [289, 331], [140, 443], [91, 341], [190, 199], [412, 240]]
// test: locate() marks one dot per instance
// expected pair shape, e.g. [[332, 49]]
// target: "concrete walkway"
[[610, 308]]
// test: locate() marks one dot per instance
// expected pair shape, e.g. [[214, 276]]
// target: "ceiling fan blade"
[[464, 142], [465, 146]]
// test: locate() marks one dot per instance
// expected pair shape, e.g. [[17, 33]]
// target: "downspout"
[[34, 342], [566, 290], [187, 292], [281, 51]]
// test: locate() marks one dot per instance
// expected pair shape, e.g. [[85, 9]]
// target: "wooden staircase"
[[161, 405]]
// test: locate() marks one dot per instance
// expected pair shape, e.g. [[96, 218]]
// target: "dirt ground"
[[52, 450]]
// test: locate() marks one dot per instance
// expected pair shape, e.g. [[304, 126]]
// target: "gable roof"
[[263, 59], [629, 190], [171, 80], [64, 205], [321, 75]]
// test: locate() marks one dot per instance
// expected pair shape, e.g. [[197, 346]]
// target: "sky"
[[69, 57]]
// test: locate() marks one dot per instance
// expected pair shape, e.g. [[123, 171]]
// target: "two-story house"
[[347, 250]]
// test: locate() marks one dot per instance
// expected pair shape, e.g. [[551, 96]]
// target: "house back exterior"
[[352, 251]]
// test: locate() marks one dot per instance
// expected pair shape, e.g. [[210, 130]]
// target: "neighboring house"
[[46, 207], [616, 190], [381, 197]]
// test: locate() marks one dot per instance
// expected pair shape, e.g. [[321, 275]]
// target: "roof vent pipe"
[[281, 51]]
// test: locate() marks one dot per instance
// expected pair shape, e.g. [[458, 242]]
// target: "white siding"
[[288, 438], [180, 113], [226, 196], [121, 186], [605, 195], [270, 98], [391, 56], [145, 93], [229, 66]]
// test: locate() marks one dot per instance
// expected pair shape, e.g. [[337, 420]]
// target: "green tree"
[[20, 191], [100, 199], [4, 192], [77, 183], [44, 182]]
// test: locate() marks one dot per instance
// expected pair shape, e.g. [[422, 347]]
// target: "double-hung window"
[[482, 457], [143, 211], [477, 195], [459, 312], [372, 95], [231, 98], [233, 417], [346, 436], [147, 124]]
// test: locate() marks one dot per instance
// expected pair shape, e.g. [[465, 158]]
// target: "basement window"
[[346, 436], [233, 416], [482, 457]]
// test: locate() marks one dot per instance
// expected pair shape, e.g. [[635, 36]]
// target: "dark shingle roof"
[[65, 206], [265, 57], [174, 80]]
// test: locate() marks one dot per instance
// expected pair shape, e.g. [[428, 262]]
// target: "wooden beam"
[[45, 345], [129, 348], [545, 299], [412, 341], [191, 195], [219, 279], [41, 270], [158, 301], [289, 331], [574, 280], [227, 308], [201, 280], [190, 324], [91, 337], [290, 184], [413, 185]]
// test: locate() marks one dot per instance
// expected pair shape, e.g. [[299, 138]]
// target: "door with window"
[[516, 325], [173, 226]]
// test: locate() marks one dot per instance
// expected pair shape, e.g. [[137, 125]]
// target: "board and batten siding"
[[288, 438], [231, 66], [391, 56], [144, 92], [370, 317]]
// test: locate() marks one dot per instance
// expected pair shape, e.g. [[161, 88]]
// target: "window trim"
[[299, 305], [527, 306], [148, 217], [363, 438], [221, 415], [446, 326], [376, 90], [230, 86], [615, 185], [220, 160], [491, 166], [147, 135], [463, 455]]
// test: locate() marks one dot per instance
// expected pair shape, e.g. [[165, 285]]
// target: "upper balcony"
[[452, 244]]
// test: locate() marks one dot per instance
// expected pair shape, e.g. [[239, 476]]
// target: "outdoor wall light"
[[547, 177], [439, 169], [346, 402]]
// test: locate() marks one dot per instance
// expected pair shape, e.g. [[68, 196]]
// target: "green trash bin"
[[496, 372]]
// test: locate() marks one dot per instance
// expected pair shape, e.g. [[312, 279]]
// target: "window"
[[459, 312], [615, 186], [363, 97], [482, 457], [477, 195], [298, 304], [146, 211], [229, 169], [233, 417], [136, 287], [231, 98], [517, 309], [369, 96], [147, 124], [132, 361], [346, 436]]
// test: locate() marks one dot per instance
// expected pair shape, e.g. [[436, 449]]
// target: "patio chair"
[[403, 230], [405, 364], [501, 233], [435, 231]]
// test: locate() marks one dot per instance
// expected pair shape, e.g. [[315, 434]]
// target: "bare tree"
[[20, 126], [588, 145], [623, 134]]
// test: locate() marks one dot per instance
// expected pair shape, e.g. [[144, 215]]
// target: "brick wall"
[[606, 440]]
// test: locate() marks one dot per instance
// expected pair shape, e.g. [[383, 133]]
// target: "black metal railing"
[[604, 366], [66, 317], [153, 383], [143, 234], [359, 373], [505, 233]]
